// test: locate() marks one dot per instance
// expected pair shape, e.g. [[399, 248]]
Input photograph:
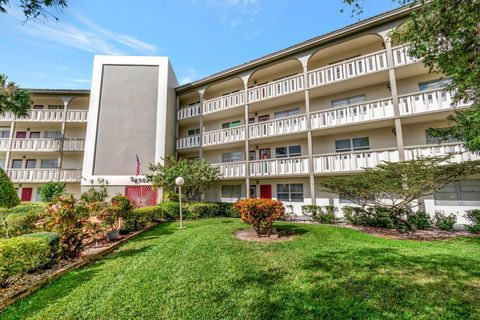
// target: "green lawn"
[[202, 272]]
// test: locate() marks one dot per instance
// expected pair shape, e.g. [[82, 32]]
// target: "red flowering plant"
[[260, 213]]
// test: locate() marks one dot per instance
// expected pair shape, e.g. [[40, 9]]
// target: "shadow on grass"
[[291, 229]]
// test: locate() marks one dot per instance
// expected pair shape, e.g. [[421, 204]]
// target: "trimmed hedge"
[[8, 195], [21, 255], [139, 218], [18, 224], [53, 240], [197, 210], [168, 210]]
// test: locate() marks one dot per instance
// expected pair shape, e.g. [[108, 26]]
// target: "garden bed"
[[250, 235], [34, 281]]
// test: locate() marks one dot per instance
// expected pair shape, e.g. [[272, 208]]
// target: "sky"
[[200, 37]]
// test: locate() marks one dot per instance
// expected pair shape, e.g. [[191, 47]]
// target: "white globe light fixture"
[[179, 181]]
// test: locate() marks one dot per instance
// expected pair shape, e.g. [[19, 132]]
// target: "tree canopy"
[[33, 9], [13, 99]]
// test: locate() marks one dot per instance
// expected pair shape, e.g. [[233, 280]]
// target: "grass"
[[202, 272]]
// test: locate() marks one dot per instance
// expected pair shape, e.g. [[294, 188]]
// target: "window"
[[193, 132], [354, 144], [37, 196], [251, 120], [231, 124], [348, 101], [290, 151], [231, 192], [4, 133], [55, 106], [49, 163], [52, 134], [433, 84], [232, 156], [17, 163], [343, 199], [265, 117], [31, 164], [34, 135], [38, 106], [433, 140], [462, 193], [252, 155], [290, 192], [2, 163], [286, 113]]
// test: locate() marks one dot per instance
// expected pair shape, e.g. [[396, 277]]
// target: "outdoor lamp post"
[[180, 182]]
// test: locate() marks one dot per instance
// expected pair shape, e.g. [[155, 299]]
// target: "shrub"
[[321, 214], [260, 213], [168, 210], [445, 222], [140, 218], [53, 240], [21, 255], [226, 209], [420, 220], [69, 218], [16, 224], [51, 190], [197, 210], [8, 194], [474, 217], [370, 217], [114, 215], [96, 195]]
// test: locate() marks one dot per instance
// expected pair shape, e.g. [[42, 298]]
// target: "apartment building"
[[274, 126]]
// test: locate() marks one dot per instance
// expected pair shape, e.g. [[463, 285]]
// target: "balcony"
[[188, 142], [352, 161], [44, 175], [426, 101], [279, 167], [189, 112], [4, 144], [232, 100], [456, 148], [348, 69], [277, 127], [222, 136], [375, 110], [401, 55], [231, 169], [276, 88], [77, 115], [73, 145], [35, 145], [46, 115]]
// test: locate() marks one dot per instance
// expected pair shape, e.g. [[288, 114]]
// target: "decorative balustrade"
[[281, 166], [35, 144], [276, 88], [231, 169], [456, 148], [401, 55], [74, 145], [77, 115], [352, 161], [348, 69], [427, 101], [189, 112], [47, 115], [380, 109], [224, 136], [277, 127], [44, 175], [4, 144], [224, 102], [8, 116], [188, 142]]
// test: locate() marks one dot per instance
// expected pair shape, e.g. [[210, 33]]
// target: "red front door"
[[21, 134], [26, 194], [266, 191]]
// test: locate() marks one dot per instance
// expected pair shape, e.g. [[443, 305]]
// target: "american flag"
[[137, 166]]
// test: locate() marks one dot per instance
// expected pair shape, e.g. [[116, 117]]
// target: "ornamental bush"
[[21, 255], [53, 240], [260, 213], [445, 222], [474, 217], [420, 220], [321, 214], [51, 190], [8, 195], [197, 210], [168, 210], [140, 218], [16, 224]]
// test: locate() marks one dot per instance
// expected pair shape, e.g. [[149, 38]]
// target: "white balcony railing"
[[426, 101], [73, 145], [4, 144], [401, 55], [456, 148], [188, 142], [352, 161], [224, 102], [231, 169], [8, 116], [35, 144], [276, 88], [348, 69], [47, 115], [278, 127], [44, 175], [77, 115], [189, 112], [380, 109], [282, 166], [224, 136]]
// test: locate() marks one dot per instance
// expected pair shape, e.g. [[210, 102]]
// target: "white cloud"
[[189, 75], [87, 36], [80, 80]]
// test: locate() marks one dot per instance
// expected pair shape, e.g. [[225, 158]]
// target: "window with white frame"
[[461, 193], [4, 132], [232, 156], [49, 163], [52, 134], [348, 101], [289, 151], [231, 192], [433, 84], [2, 163], [286, 113], [292, 192], [434, 140], [231, 124], [38, 195], [193, 132], [354, 144]]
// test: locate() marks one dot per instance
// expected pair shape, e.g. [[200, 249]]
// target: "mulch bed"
[[250, 235], [35, 280]]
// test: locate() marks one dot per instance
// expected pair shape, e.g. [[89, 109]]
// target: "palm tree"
[[13, 99]]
